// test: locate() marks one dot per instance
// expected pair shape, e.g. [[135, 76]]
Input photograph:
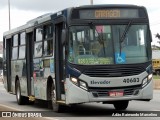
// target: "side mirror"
[[64, 36]]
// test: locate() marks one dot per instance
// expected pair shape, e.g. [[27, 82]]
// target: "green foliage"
[[156, 77]]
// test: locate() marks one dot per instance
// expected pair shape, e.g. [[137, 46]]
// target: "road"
[[89, 111]]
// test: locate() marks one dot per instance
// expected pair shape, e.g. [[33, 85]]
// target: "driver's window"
[[80, 36], [80, 39]]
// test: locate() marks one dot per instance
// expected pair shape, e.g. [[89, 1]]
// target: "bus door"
[[59, 57], [8, 63], [29, 62]]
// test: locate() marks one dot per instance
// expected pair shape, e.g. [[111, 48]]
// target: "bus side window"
[[38, 42], [48, 40], [15, 47], [38, 49], [22, 47], [48, 47]]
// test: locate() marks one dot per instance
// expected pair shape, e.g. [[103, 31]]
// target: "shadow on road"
[[80, 110]]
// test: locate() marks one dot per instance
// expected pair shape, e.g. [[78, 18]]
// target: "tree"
[[158, 36]]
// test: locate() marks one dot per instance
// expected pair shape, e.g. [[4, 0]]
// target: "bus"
[[90, 53], [156, 66]]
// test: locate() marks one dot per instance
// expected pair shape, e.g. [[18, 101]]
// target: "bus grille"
[[104, 92], [114, 71]]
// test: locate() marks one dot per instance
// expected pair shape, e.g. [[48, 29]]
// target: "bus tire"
[[121, 105], [21, 100], [55, 106]]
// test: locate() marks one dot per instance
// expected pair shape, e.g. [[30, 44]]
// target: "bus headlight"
[[144, 83], [83, 85], [147, 80], [74, 80], [79, 83], [150, 77]]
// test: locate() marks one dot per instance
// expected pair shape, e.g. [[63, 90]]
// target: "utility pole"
[[9, 14], [91, 2]]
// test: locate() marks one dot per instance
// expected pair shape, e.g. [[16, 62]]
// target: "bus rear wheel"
[[121, 105], [20, 99], [56, 107]]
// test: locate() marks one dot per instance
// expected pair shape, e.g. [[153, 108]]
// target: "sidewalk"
[[156, 84]]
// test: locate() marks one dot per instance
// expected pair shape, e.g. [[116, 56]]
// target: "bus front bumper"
[[75, 95]]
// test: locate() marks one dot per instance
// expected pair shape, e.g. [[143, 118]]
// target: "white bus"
[[98, 53]]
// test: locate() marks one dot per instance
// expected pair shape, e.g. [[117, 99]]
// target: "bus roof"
[[30, 23], [109, 5], [34, 22], [49, 16]]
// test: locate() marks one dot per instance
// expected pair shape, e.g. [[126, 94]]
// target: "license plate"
[[116, 93]]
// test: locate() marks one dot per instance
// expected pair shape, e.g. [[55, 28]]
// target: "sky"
[[22, 11]]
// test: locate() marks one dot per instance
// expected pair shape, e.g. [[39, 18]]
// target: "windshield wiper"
[[122, 38], [100, 36]]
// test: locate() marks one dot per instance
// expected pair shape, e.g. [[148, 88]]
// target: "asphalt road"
[[87, 111]]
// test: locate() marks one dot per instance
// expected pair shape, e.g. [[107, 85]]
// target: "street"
[[90, 110]]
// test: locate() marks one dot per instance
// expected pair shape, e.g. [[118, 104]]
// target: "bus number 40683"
[[131, 80]]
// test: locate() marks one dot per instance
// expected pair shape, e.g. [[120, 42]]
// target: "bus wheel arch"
[[51, 96], [20, 99]]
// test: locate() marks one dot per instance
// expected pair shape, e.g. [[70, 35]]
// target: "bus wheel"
[[56, 107], [20, 99], [121, 105]]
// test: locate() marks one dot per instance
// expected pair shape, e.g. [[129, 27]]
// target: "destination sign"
[[108, 14], [93, 61]]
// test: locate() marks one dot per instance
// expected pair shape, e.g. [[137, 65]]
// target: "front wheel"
[[121, 105], [20, 99], [56, 107]]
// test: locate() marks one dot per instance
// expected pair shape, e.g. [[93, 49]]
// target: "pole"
[[9, 14], [91, 2]]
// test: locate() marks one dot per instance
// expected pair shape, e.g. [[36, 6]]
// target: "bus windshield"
[[102, 44]]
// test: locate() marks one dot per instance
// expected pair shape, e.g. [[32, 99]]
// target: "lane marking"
[[10, 107]]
